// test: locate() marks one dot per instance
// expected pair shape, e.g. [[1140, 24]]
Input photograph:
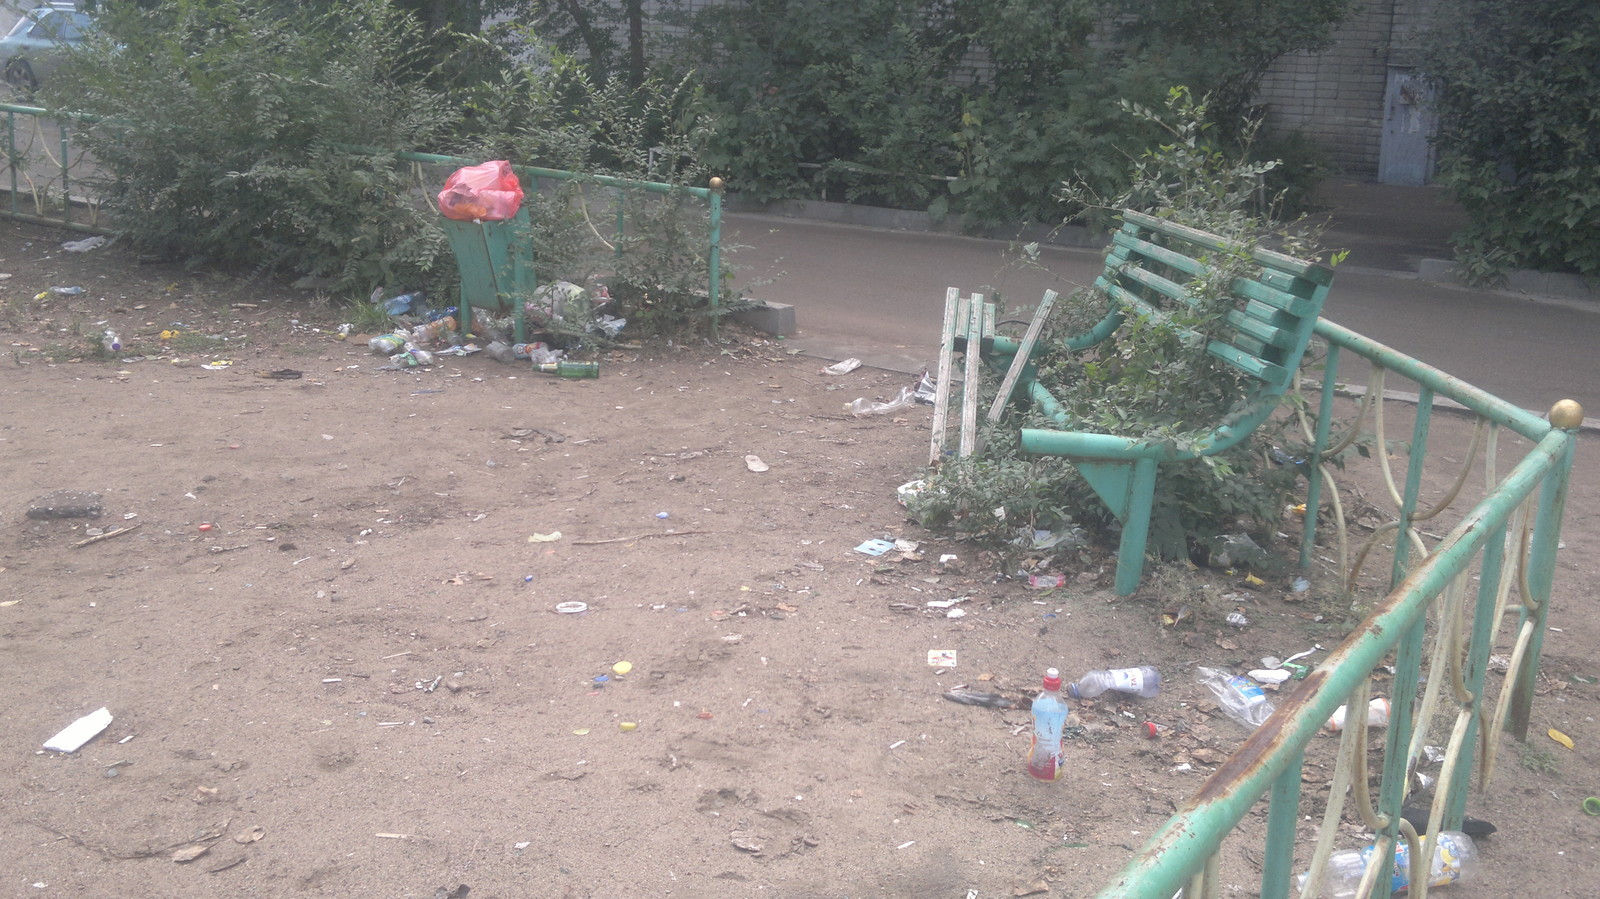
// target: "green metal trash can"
[[496, 263]]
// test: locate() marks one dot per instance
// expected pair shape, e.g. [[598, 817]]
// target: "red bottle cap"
[[1052, 679]]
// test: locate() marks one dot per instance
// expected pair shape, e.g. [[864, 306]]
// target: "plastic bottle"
[[403, 303], [1455, 858], [1143, 682], [1049, 717], [111, 341], [525, 350], [500, 351], [565, 369], [1377, 715], [1240, 697], [388, 344], [434, 332]]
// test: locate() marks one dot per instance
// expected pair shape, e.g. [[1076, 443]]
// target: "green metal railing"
[[39, 168], [1506, 543], [533, 175], [50, 174]]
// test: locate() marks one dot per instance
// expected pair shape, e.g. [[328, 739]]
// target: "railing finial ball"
[[1566, 415], [716, 184]]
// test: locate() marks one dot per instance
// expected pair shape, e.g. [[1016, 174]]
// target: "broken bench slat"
[[980, 314], [954, 311], [1020, 360]]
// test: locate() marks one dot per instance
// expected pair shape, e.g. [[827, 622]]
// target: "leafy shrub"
[[1518, 145], [221, 131], [648, 247], [997, 96]]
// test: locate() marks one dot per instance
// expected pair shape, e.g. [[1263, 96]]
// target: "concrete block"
[[767, 317]]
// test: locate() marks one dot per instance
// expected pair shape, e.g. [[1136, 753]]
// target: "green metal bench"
[[496, 264], [1147, 267]]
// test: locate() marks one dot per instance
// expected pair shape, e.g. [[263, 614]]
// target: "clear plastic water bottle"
[[111, 341], [1049, 717], [1455, 858], [1240, 697], [1143, 682]]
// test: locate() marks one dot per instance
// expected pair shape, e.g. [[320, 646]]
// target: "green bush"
[[221, 127], [876, 101], [1518, 142], [554, 114]]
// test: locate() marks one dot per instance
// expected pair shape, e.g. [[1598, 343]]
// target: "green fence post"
[[1283, 817], [66, 180], [1568, 416]]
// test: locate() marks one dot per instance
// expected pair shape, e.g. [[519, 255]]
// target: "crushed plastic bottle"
[[1455, 858], [863, 407], [1241, 698], [388, 344], [1143, 682], [111, 341]]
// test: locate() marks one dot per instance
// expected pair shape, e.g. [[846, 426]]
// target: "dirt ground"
[[330, 645]]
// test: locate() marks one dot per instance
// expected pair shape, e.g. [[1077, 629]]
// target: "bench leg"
[[1136, 527]]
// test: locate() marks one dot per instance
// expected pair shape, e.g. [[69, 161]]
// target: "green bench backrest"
[[1152, 260]]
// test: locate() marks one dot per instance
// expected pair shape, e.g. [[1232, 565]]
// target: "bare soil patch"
[[331, 648]]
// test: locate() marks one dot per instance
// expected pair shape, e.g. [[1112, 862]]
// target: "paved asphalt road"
[[879, 295]]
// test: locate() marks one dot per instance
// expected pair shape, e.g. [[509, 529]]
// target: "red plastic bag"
[[489, 191]]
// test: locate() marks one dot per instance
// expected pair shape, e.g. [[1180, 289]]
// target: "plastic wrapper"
[[486, 192], [863, 407], [562, 301]]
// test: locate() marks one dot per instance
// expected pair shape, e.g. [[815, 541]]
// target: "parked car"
[[33, 48]]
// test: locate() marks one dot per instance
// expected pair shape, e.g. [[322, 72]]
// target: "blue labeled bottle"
[[1049, 717]]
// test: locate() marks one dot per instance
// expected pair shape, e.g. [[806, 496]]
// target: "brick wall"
[[1336, 97]]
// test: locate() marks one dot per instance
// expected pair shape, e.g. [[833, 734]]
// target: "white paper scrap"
[[79, 732]]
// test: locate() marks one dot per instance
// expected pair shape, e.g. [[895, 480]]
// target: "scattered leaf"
[[1560, 737], [190, 852]]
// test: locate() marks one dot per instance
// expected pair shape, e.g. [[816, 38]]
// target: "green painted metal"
[[1415, 456], [1488, 405], [1321, 435], [1270, 759], [711, 195], [1541, 574], [1269, 332], [63, 168], [497, 271], [1476, 669], [1283, 822]]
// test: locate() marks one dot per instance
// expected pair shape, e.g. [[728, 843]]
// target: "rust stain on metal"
[[1257, 750]]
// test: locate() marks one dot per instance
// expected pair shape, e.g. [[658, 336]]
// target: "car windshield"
[[50, 25]]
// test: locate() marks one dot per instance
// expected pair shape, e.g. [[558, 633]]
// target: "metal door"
[[1405, 154]]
